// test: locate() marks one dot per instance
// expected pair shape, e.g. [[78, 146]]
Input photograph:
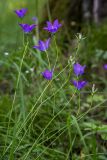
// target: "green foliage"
[[41, 120]]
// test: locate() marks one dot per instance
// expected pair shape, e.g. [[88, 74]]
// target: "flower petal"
[[49, 24], [47, 43], [55, 23]]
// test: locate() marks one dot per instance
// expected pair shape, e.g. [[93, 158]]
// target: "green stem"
[[56, 52], [48, 10], [47, 127], [48, 59], [23, 110], [79, 104], [30, 115], [23, 35], [78, 47]]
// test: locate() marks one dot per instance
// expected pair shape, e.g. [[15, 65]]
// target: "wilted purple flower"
[[43, 45], [27, 28], [52, 27], [21, 12], [105, 66], [78, 69], [79, 84], [47, 74]]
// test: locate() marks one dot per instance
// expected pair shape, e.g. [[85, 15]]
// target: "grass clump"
[[52, 118]]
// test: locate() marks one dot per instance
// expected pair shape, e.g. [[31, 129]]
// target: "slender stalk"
[[36, 111], [56, 52], [79, 103], [22, 102], [78, 118], [48, 10], [48, 59], [47, 126], [37, 22], [77, 50], [29, 116], [23, 35]]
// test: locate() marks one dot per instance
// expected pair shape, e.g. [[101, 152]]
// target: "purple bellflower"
[[27, 28], [53, 28], [47, 74], [105, 66], [78, 69], [43, 45], [79, 84], [21, 12]]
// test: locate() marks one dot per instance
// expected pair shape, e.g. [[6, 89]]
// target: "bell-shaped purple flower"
[[27, 28], [43, 45], [47, 74], [105, 66], [21, 12], [78, 69], [79, 84], [53, 27]]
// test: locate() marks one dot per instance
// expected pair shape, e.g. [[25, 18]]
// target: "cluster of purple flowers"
[[44, 45], [79, 70], [51, 27], [25, 27]]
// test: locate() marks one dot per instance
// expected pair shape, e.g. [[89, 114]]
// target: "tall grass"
[[49, 119]]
